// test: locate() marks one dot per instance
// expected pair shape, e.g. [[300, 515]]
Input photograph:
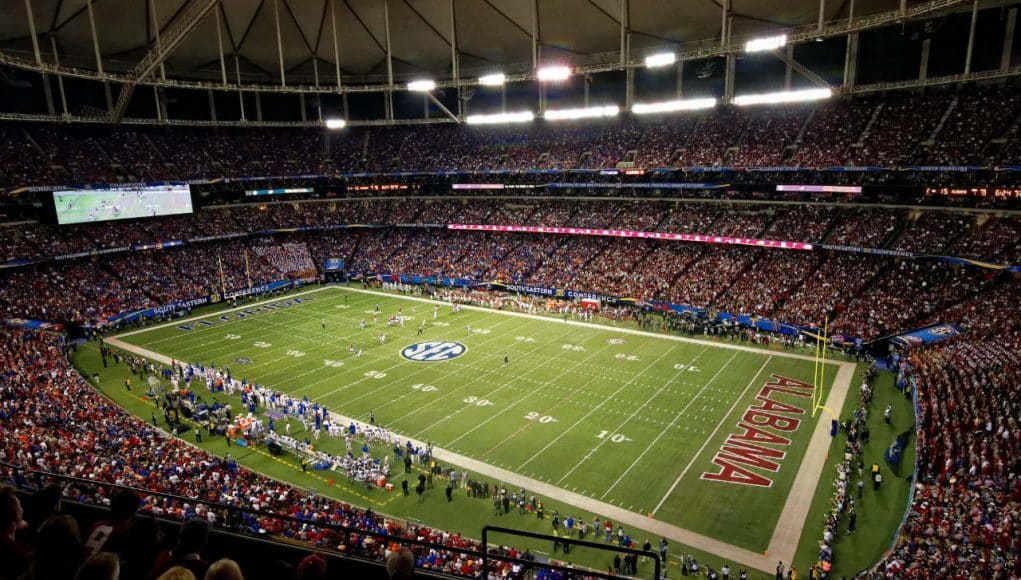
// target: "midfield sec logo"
[[433, 351]]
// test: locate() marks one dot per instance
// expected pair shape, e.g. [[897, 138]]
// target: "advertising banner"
[[928, 335]]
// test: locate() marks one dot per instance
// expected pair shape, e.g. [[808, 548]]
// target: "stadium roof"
[[493, 35]]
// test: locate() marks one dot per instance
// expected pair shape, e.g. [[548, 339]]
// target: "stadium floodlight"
[[493, 80], [589, 113], [764, 44], [661, 59], [335, 123], [673, 106], [500, 118], [553, 73], [422, 86], [783, 97]]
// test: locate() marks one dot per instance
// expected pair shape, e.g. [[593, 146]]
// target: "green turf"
[[463, 515], [625, 419]]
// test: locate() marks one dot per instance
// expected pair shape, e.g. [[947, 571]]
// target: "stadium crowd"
[[963, 519], [54, 422], [866, 297], [891, 130]]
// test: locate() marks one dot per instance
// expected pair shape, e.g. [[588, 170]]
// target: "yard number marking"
[[535, 416], [616, 437]]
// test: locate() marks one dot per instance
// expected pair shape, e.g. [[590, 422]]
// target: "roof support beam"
[[188, 18], [728, 78], [241, 95], [629, 76], [280, 44], [31, 31], [1008, 39], [851, 61], [623, 32], [455, 68], [38, 57], [680, 79], [802, 69], [212, 106], [442, 107], [923, 63], [336, 46], [724, 14], [159, 104], [219, 47], [971, 37], [60, 79], [95, 49], [156, 29], [535, 34], [388, 103], [822, 14], [788, 75]]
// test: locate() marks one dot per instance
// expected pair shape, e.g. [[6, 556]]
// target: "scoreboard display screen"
[[78, 206]]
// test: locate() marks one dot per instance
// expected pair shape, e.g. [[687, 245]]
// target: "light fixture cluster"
[[559, 73]]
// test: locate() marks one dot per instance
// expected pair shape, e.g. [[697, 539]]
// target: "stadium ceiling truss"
[[166, 33]]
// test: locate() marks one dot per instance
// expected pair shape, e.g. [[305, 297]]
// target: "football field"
[[704, 435]]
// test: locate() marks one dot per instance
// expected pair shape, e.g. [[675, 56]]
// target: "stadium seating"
[[963, 516], [907, 129], [55, 422], [733, 279]]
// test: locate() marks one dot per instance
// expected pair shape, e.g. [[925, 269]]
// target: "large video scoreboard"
[[75, 206]]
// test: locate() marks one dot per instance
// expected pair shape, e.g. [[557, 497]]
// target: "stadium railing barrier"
[[231, 518], [487, 556]]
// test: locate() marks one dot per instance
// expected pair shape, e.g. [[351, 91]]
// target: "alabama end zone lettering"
[[764, 423]]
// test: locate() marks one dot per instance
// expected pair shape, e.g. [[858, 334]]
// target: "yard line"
[[488, 394], [369, 360], [402, 362], [711, 435], [220, 313], [287, 329], [229, 346], [634, 414], [267, 327], [301, 362], [559, 400], [542, 385], [668, 427], [596, 408], [458, 367], [631, 331], [271, 332]]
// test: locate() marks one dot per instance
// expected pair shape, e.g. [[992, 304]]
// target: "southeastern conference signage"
[[433, 351]]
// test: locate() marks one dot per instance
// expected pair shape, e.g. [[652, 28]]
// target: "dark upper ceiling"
[[491, 34]]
